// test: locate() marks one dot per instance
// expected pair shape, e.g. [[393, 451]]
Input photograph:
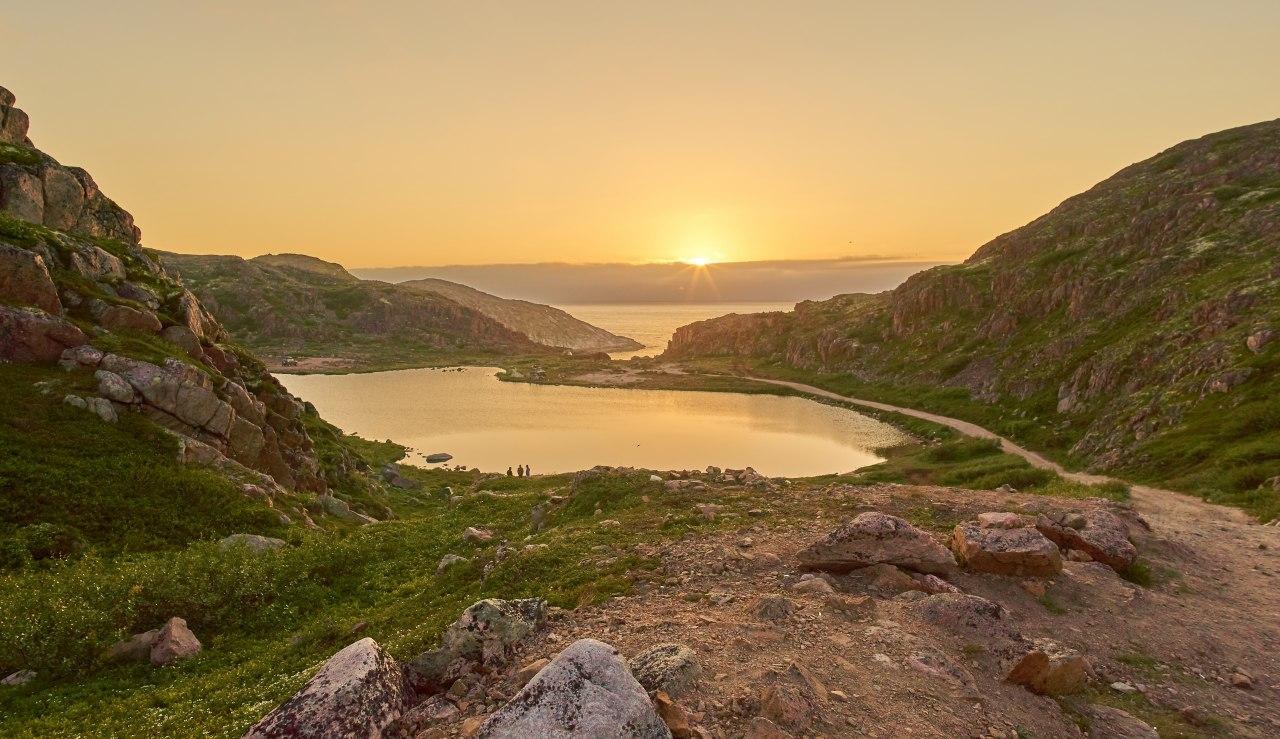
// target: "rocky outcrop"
[[1097, 532], [252, 542], [357, 693], [72, 272], [878, 538], [586, 692], [1050, 670], [1023, 552]]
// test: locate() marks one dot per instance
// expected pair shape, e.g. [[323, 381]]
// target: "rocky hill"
[[294, 305], [95, 334], [542, 323], [1132, 328]]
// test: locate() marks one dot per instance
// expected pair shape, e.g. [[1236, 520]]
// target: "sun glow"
[[698, 261]]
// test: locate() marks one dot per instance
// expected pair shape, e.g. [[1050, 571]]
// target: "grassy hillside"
[[1132, 329]]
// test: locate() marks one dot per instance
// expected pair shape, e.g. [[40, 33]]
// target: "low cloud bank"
[[780, 281]]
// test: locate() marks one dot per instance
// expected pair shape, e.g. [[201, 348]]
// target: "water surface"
[[652, 324], [491, 425]]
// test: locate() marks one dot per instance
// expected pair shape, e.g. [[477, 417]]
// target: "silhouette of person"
[[509, 474], [528, 472], [519, 471]]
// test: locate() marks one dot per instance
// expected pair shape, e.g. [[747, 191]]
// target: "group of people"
[[520, 471]]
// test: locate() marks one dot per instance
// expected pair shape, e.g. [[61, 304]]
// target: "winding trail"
[[1149, 499]]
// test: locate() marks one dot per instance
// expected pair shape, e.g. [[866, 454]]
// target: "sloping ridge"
[[286, 304], [544, 324], [1132, 326]]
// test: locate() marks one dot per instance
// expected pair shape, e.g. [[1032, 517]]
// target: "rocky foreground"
[[999, 615]]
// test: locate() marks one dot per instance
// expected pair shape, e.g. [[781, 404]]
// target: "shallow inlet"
[[491, 425]]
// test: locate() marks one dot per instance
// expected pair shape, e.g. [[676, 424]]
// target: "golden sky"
[[395, 133]]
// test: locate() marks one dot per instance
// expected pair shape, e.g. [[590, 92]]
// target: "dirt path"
[[1150, 500]]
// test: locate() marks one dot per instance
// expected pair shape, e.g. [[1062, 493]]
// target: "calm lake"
[[492, 425], [652, 324]]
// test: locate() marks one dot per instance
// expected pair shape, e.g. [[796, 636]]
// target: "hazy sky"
[[391, 133]]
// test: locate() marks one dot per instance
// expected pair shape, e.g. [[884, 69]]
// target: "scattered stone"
[[787, 706], [874, 538], [887, 579], [1241, 680], [586, 691], [774, 608], [1123, 687], [526, 673], [1006, 551], [1004, 521], [448, 561], [113, 387], [961, 612], [762, 728], [475, 535], [1036, 588], [253, 542], [21, 677], [438, 457], [671, 668], [340, 509], [1050, 670], [813, 586], [673, 716], [357, 693]]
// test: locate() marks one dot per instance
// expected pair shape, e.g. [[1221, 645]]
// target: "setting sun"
[[698, 261]]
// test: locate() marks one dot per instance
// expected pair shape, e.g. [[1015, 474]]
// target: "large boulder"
[[1101, 534], [32, 335], [125, 318], [21, 193], [671, 668], [586, 692], [14, 123], [874, 538], [357, 693], [25, 280], [485, 634], [1023, 552]]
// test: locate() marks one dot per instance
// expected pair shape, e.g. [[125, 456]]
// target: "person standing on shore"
[[509, 472], [528, 472]]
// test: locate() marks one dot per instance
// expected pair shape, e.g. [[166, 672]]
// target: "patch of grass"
[[69, 481], [1139, 573]]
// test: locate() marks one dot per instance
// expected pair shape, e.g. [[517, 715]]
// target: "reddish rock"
[[122, 317], [1050, 671], [32, 335], [875, 538], [1103, 536], [1000, 551], [25, 280], [174, 642]]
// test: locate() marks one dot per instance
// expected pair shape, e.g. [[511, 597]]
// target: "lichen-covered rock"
[[671, 668], [1102, 535], [586, 692], [874, 538], [961, 613], [1022, 552], [357, 693], [124, 318], [113, 386], [25, 280], [485, 634]]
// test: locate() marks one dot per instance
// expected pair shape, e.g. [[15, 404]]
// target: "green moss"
[[18, 154]]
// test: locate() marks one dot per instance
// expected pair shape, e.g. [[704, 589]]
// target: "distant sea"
[[652, 324]]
